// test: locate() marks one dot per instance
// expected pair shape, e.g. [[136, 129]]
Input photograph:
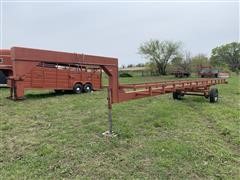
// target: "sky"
[[118, 29]]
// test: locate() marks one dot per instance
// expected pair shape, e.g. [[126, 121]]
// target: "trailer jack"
[[110, 132]]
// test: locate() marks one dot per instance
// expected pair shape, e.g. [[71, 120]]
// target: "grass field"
[[52, 137]]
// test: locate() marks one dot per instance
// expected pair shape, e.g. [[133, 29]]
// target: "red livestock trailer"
[[50, 74]]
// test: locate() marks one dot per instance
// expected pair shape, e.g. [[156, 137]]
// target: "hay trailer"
[[27, 61]]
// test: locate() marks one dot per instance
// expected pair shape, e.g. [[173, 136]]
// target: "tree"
[[198, 61], [228, 54], [152, 68], [130, 65], [160, 53], [183, 61], [140, 65]]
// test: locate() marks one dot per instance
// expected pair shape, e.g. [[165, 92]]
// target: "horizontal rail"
[[183, 83], [5, 66], [135, 91]]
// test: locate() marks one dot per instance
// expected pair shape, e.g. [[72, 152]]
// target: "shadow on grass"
[[46, 95], [3, 87]]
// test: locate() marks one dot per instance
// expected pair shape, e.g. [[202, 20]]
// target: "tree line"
[[164, 55]]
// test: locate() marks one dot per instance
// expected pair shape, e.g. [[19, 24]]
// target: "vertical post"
[[14, 90], [110, 109], [101, 77], [150, 90], [11, 90]]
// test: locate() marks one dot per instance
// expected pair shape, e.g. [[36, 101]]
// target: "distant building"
[[134, 69]]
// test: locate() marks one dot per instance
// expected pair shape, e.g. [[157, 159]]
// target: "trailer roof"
[[29, 54]]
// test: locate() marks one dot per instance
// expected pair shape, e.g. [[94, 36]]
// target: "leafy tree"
[[160, 53], [183, 61], [130, 65], [152, 68], [140, 65], [198, 61], [177, 60], [227, 54]]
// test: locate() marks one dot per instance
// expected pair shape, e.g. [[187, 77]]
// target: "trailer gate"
[[24, 59], [5, 62]]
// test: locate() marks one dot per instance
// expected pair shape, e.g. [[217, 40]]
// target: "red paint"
[[29, 72]]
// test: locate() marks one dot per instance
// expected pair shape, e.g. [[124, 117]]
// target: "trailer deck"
[[198, 86]]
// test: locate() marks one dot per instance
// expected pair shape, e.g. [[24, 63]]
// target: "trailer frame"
[[26, 58]]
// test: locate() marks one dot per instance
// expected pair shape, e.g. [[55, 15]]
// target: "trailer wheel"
[[177, 95], [213, 95], [87, 88], [78, 88]]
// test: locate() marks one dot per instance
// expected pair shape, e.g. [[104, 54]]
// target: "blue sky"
[[118, 29]]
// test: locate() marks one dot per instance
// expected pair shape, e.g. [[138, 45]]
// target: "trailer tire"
[[78, 88], [87, 88], [213, 95]]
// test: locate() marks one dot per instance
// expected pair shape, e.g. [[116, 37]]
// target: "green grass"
[[56, 137]]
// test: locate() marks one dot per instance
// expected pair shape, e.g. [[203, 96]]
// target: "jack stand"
[[109, 133]]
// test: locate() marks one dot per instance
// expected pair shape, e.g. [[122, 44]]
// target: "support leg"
[[12, 91], [109, 133], [110, 120]]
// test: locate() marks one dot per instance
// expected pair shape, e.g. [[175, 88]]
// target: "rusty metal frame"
[[25, 58], [136, 91], [126, 92]]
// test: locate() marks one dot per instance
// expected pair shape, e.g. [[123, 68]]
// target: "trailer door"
[[37, 77]]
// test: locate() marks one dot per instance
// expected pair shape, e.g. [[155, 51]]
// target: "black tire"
[[78, 88], [202, 76], [88, 88], [213, 95], [216, 75], [177, 95]]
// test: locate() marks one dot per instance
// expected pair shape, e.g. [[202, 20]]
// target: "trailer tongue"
[[26, 59]]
